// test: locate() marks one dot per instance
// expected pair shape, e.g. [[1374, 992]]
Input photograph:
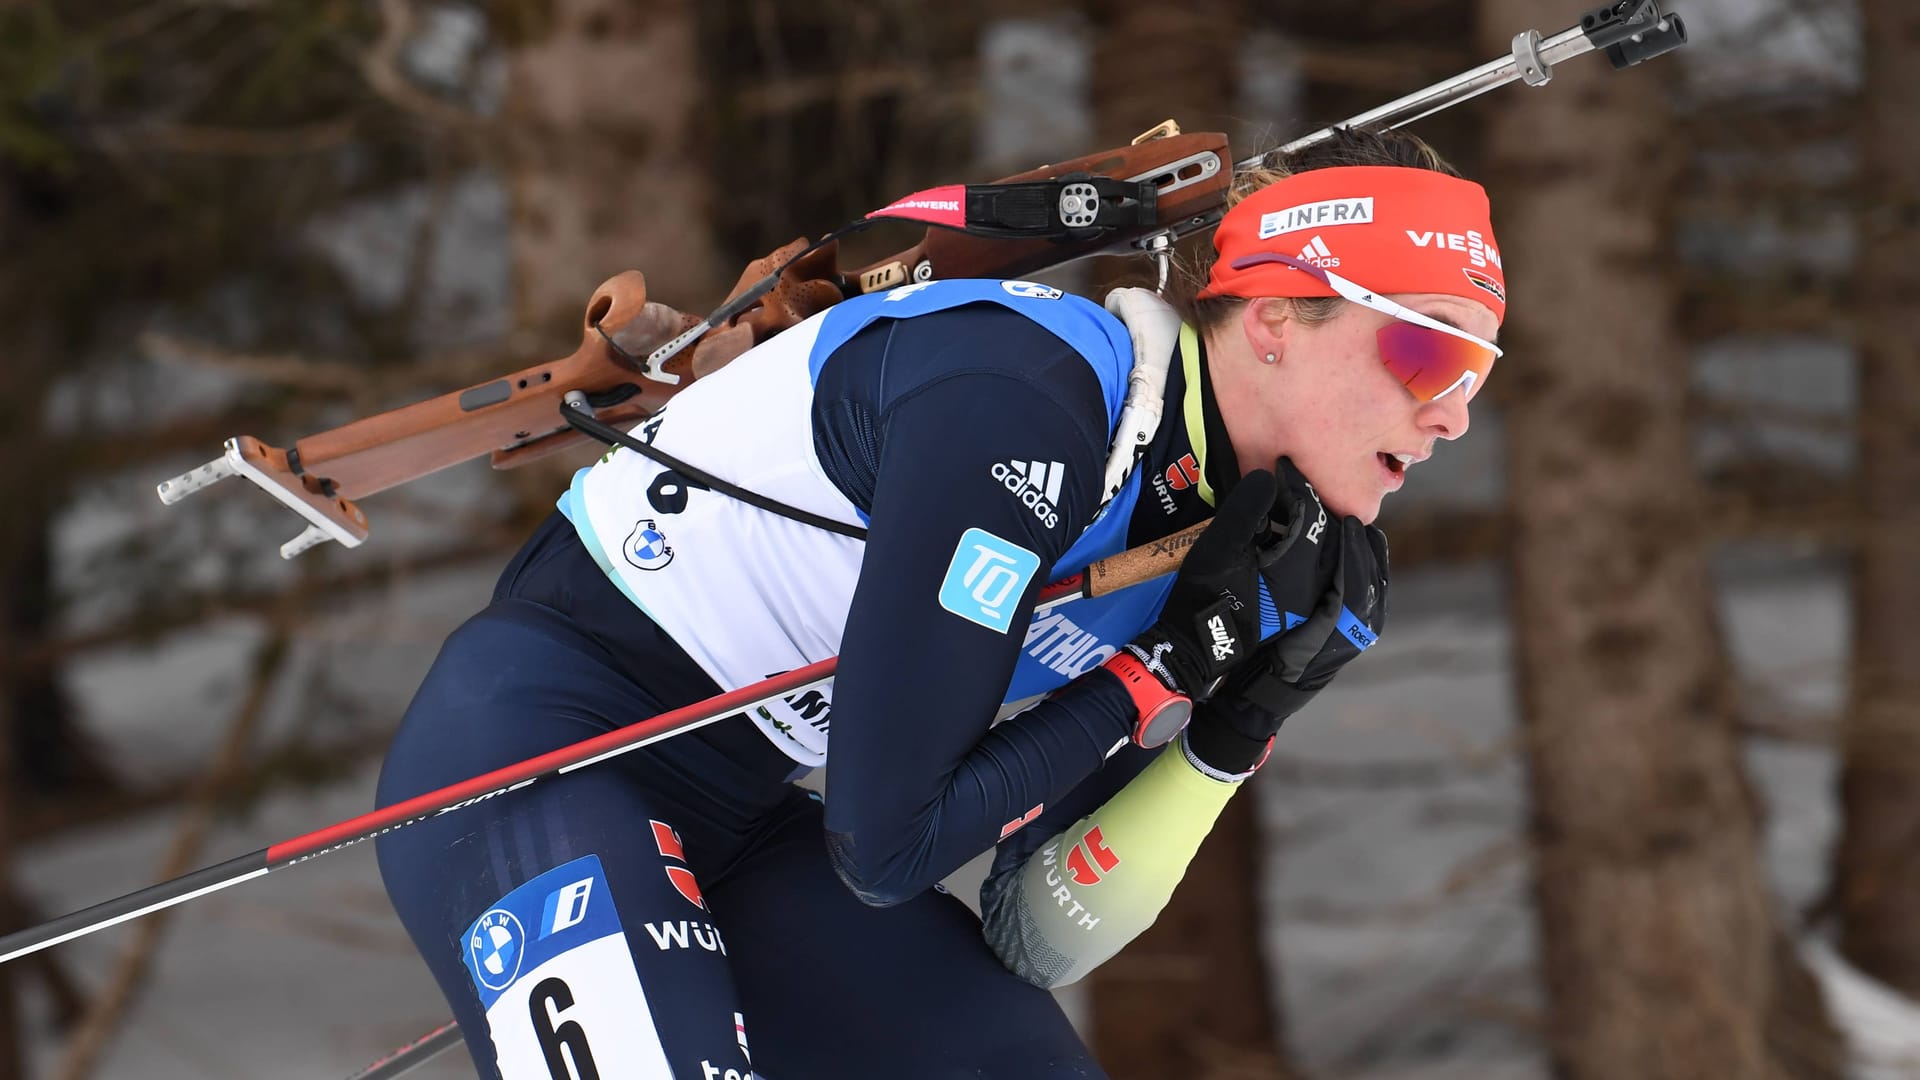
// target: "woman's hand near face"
[[1343, 577]]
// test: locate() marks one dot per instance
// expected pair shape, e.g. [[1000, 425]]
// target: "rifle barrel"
[[1420, 104]]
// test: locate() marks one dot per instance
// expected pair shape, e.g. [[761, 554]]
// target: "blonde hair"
[[1347, 147]]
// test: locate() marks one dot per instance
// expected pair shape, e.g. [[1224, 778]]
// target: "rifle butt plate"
[[328, 517]]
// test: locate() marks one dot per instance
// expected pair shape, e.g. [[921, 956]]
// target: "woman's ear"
[[1266, 320]]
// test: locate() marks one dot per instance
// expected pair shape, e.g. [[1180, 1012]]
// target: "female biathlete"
[[687, 911]]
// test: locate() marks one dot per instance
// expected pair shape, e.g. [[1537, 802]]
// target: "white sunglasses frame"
[[1369, 299]]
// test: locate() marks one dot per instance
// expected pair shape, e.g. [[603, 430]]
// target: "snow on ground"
[[1882, 1027], [1400, 924], [1397, 888], [303, 973]]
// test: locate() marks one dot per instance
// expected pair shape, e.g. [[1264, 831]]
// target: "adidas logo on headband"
[[1317, 253]]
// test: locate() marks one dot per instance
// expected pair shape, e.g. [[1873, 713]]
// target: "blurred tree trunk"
[[604, 168], [43, 750], [814, 114], [54, 755], [1877, 863], [1153, 61], [21, 532], [1193, 996], [50, 753], [1660, 952], [11, 917]]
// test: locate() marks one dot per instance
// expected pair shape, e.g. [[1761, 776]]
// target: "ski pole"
[[444, 800], [413, 1055], [1115, 572]]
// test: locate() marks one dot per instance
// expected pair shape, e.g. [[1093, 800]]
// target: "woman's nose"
[[1445, 416]]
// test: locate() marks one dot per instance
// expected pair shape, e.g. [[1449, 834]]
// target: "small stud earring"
[[1272, 359]]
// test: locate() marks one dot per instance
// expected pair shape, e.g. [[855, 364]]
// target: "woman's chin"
[[1346, 504]]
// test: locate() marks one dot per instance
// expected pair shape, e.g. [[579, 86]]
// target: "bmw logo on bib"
[[646, 546], [494, 947]]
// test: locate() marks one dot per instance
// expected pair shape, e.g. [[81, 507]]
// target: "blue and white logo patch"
[[566, 906], [1032, 290], [557, 911], [552, 970], [496, 944], [986, 579], [646, 546]]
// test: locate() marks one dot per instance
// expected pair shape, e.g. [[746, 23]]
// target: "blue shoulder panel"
[[1086, 326]]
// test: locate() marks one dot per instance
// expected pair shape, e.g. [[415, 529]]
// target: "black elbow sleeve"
[[878, 894]]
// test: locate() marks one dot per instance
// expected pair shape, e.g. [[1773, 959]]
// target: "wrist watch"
[[1161, 711]]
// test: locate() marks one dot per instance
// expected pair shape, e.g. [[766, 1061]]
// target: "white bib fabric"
[[750, 594], [746, 593]]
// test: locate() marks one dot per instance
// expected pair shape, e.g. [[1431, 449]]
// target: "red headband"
[[1387, 228]]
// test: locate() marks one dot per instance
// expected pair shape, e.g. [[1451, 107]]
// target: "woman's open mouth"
[[1395, 467]]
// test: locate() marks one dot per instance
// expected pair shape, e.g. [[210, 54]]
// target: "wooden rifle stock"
[[517, 418], [502, 415]]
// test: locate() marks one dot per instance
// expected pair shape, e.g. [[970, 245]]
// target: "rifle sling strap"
[[578, 419], [1075, 206]]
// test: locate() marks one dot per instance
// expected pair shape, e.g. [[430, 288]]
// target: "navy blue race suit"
[[685, 910]]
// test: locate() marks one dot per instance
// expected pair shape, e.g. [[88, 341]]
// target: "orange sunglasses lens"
[[1430, 363]]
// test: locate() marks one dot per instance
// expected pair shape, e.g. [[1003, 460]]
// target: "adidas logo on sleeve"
[[1036, 484]]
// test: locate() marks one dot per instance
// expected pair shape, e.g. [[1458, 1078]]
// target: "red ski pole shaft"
[[398, 816], [413, 1055]]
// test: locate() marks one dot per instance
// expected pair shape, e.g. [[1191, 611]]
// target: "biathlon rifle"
[[636, 353]]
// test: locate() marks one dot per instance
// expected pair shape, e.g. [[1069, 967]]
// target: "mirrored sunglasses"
[[1430, 358]]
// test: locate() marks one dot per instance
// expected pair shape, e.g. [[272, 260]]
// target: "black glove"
[[1211, 621], [1303, 564], [1230, 736]]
